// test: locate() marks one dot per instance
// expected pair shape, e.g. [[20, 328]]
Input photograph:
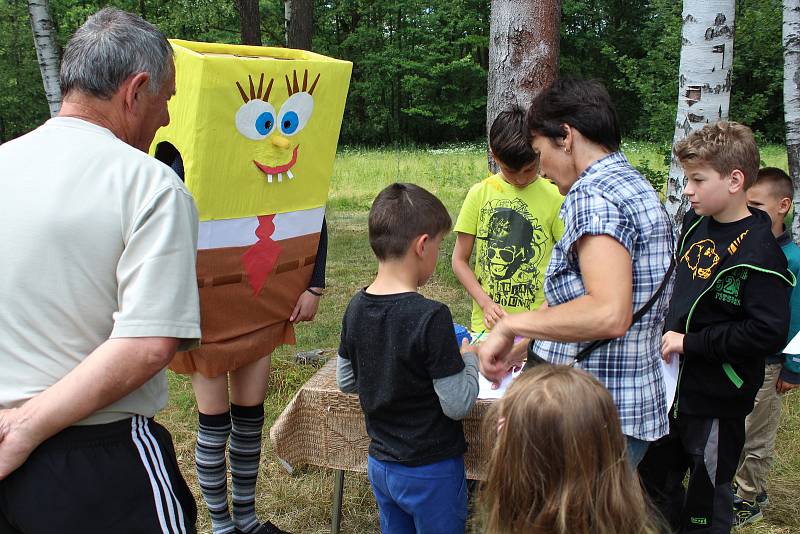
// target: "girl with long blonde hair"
[[559, 462]]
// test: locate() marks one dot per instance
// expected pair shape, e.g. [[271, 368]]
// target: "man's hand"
[[492, 313], [782, 386], [17, 441], [494, 353], [306, 307], [671, 343]]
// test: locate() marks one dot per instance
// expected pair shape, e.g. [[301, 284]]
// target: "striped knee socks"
[[209, 454], [245, 453]]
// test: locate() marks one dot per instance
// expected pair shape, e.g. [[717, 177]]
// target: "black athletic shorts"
[[120, 478]]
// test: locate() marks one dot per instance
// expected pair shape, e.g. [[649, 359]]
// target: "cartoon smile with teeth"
[[257, 120], [254, 130]]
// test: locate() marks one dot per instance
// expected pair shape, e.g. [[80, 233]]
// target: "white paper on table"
[[670, 372], [794, 345], [485, 390]]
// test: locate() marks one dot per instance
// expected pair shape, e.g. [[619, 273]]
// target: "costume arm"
[[111, 371], [305, 309], [318, 275], [457, 393]]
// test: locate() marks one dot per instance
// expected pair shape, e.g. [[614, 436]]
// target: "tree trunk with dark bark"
[[299, 23], [249, 22], [523, 54]]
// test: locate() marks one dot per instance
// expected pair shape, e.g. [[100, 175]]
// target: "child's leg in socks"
[[245, 454], [212, 438]]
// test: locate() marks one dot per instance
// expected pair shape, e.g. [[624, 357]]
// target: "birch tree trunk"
[[44, 38], [704, 82], [299, 23], [791, 100], [523, 54], [249, 22]]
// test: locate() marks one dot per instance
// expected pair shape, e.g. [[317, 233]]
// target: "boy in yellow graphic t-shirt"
[[511, 220]]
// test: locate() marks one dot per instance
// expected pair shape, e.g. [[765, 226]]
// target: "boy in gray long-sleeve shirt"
[[398, 351]]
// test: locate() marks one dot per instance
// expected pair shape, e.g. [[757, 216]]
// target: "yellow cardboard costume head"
[[256, 127], [256, 130]]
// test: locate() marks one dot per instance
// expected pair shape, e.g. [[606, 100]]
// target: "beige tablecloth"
[[324, 427]]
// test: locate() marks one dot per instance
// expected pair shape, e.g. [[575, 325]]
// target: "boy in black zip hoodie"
[[729, 310]]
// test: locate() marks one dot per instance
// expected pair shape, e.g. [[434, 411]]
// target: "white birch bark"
[[704, 81], [523, 54], [287, 19], [44, 38], [791, 100]]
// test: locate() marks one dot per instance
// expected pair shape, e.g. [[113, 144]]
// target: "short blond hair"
[[724, 146]]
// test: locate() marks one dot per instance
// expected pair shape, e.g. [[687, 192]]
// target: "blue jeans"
[[427, 499], [636, 450]]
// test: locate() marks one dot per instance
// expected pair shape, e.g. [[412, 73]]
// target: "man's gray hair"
[[111, 46]]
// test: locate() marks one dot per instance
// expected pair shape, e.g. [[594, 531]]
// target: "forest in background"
[[420, 67]]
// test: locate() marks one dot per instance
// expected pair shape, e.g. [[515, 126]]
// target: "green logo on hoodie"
[[727, 287]]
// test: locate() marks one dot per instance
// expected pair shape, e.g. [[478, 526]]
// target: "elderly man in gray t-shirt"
[[97, 292]]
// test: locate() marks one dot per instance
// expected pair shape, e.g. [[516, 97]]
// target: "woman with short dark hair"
[[610, 262]]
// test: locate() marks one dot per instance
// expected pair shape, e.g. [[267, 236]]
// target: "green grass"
[[301, 502]]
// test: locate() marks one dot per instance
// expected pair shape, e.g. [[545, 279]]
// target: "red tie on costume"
[[259, 259]]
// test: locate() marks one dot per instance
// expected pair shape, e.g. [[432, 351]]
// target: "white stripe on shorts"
[[153, 484], [157, 461], [162, 470]]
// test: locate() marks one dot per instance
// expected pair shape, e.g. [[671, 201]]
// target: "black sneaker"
[[266, 528], [762, 499], [745, 513]]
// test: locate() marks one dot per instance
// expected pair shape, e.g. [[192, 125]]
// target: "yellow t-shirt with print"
[[515, 229]]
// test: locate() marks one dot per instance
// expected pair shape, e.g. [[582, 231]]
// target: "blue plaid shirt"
[[612, 198]]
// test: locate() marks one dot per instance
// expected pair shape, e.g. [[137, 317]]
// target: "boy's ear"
[[737, 181], [419, 244], [784, 205]]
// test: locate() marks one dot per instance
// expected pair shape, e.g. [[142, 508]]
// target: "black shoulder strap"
[[594, 345]]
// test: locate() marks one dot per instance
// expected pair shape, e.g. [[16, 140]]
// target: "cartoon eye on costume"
[[295, 113], [255, 119]]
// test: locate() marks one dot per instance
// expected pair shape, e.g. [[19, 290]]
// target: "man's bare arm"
[[111, 371]]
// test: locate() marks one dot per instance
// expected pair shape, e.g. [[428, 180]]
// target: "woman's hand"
[[306, 307], [494, 353]]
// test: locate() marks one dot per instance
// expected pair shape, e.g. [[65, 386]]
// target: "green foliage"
[[22, 101], [656, 177], [652, 76], [420, 66], [757, 81]]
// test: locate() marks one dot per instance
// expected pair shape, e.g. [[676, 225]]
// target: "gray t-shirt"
[[98, 242]]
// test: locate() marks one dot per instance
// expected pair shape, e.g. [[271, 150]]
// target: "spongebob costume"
[[256, 129]]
